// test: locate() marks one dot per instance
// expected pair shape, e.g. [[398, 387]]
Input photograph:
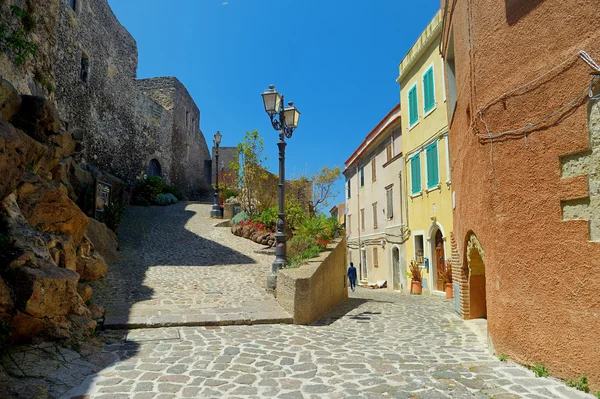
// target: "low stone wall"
[[309, 291]]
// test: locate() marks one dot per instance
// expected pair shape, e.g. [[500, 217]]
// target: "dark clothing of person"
[[352, 277]]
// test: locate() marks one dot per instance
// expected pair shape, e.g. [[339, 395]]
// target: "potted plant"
[[416, 283], [445, 274]]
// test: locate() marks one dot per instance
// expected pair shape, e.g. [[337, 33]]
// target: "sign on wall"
[[102, 198]]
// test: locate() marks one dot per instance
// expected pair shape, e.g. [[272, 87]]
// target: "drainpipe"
[[360, 258]]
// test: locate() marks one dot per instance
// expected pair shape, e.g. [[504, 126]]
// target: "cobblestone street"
[[178, 269], [376, 345]]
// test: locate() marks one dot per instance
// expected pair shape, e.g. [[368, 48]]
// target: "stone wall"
[[310, 291], [226, 174], [86, 63], [187, 170]]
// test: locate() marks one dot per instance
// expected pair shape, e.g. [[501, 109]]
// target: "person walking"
[[352, 276]]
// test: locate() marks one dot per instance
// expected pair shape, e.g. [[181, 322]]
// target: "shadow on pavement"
[[345, 309]]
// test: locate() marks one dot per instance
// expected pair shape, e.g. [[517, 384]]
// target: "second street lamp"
[[216, 211], [285, 120]]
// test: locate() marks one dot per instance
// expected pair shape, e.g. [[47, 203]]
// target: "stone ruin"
[[85, 63]]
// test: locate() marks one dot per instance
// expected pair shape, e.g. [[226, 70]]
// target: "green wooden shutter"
[[433, 173], [429, 89], [415, 169], [413, 106]]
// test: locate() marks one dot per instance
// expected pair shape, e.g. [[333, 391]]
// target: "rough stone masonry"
[[85, 62]]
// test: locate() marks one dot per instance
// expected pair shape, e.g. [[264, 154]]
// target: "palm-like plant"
[[415, 271]]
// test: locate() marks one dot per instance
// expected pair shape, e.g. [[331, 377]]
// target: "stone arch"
[[474, 270], [154, 168]]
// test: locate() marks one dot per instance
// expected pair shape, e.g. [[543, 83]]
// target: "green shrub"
[[113, 215], [311, 252], [581, 384], [174, 191], [298, 244], [295, 214], [165, 199], [227, 193], [240, 217], [147, 190], [268, 217], [313, 227]]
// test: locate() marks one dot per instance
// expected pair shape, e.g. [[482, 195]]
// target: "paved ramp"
[[180, 270]]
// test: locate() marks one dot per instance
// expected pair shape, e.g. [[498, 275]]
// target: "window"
[[375, 258], [428, 90], [375, 216], [362, 219], [73, 4], [390, 203], [362, 177], [433, 173], [85, 67], [413, 110], [349, 225], [348, 188], [419, 246], [388, 153], [373, 170], [415, 174]]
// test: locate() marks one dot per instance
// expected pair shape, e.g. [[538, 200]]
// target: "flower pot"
[[449, 291], [416, 287]]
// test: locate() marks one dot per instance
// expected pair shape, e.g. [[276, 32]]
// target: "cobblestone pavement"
[[375, 345], [178, 269]]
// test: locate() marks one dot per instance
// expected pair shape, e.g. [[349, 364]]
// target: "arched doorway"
[[154, 168], [398, 275], [437, 252], [476, 277]]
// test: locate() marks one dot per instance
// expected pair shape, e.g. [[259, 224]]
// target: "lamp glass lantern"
[[272, 100], [218, 137], [291, 115]]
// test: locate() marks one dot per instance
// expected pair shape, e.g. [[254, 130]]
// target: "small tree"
[[250, 170], [323, 183]]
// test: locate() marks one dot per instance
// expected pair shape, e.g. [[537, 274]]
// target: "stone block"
[[92, 267], [103, 239], [46, 291], [13, 158], [50, 209], [10, 101], [38, 117]]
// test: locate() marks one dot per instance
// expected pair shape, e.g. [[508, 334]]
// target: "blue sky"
[[337, 60]]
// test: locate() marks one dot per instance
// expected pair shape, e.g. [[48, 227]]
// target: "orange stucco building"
[[525, 167]]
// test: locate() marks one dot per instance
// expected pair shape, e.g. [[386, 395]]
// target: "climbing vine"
[[13, 40]]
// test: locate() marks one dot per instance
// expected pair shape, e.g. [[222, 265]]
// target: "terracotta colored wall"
[[542, 273]]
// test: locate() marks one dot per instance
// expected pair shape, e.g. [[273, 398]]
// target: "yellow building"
[[425, 147], [374, 205]]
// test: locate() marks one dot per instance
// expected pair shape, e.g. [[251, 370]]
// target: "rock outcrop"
[[44, 244]]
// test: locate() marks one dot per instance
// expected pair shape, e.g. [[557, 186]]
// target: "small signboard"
[[102, 198]]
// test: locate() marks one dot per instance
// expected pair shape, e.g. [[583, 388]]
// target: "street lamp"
[[216, 211], [285, 120]]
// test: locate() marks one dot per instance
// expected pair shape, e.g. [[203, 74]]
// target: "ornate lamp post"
[[216, 211], [285, 120]]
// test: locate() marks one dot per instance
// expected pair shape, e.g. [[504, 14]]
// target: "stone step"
[[195, 320]]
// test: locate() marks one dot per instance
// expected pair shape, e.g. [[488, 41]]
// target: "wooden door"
[[440, 259]]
